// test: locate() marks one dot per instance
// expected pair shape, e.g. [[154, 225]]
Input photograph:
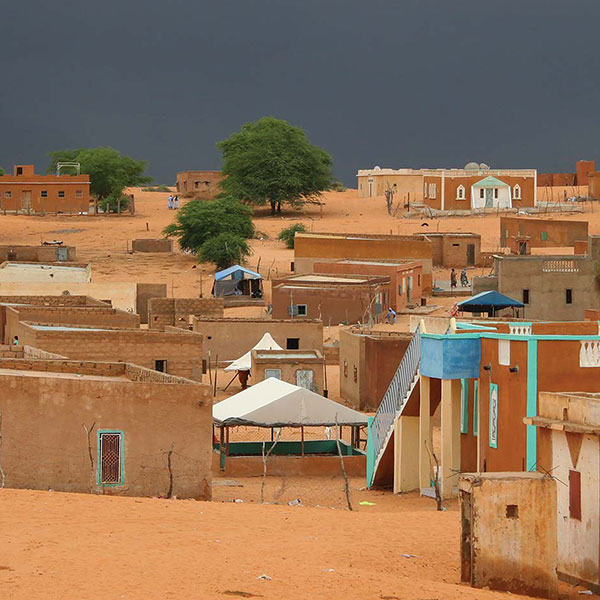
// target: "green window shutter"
[[544, 236], [475, 406], [464, 406]]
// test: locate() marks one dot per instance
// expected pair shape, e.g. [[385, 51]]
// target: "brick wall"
[[35, 253], [154, 418], [182, 350], [144, 292], [152, 245], [176, 311]]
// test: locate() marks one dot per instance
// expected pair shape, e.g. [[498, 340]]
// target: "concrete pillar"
[[450, 454], [406, 460], [425, 432]]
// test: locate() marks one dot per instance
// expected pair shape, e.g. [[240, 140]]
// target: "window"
[[504, 352], [575, 495], [506, 233], [78, 193], [569, 296], [8, 194], [44, 194], [425, 190], [493, 437], [301, 310], [355, 374], [110, 457], [460, 192], [61, 194], [345, 368], [525, 296], [512, 511], [160, 365], [275, 373], [496, 193], [517, 192], [544, 236], [456, 245], [481, 193], [292, 344], [400, 288], [419, 280], [432, 190], [19, 170]]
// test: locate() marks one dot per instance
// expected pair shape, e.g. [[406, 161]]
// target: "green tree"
[[271, 162], [287, 235], [110, 171], [1, 171], [199, 221], [225, 250]]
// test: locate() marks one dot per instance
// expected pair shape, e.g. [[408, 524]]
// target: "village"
[[421, 361]]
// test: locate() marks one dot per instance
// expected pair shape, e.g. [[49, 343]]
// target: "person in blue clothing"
[[391, 316]]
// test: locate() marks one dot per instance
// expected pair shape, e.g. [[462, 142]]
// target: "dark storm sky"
[[413, 83]]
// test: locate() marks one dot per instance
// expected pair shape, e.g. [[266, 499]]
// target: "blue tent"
[[237, 281], [488, 302], [236, 272]]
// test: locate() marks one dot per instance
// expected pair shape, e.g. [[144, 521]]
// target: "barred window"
[[110, 446]]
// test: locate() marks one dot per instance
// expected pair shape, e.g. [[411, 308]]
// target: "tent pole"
[[227, 447], [302, 435], [221, 447]]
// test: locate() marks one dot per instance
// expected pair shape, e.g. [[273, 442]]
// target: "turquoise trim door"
[[532, 391], [370, 453], [110, 457], [464, 406], [493, 441]]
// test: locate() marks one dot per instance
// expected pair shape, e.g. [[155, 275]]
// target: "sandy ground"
[[78, 546], [57, 546]]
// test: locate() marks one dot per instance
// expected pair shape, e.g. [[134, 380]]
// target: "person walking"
[[391, 316], [176, 202], [464, 280], [452, 279], [170, 202]]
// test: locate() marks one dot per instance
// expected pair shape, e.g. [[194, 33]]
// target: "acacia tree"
[[110, 171], [271, 162]]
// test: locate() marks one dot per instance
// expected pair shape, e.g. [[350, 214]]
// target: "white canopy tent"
[[276, 403], [243, 363]]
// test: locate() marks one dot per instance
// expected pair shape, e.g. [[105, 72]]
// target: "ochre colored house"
[[27, 192]]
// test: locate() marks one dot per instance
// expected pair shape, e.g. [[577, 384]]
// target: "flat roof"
[[67, 328], [40, 266], [56, 375], [329, 279], [284, 355]]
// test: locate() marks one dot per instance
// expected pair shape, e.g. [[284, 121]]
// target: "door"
[[489, 197], [470, 255], [62, 254], [408, 289], [26, 200], [305, 379]]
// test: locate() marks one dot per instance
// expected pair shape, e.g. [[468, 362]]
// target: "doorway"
[[62, 254], [409, 285], [160, 365], [489, 197], [470, 255], [26, 200]]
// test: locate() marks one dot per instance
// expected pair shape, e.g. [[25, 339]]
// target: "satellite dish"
[[377, 169], [472, 166], [484, 167]]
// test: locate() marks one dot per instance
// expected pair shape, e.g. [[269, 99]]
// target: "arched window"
[[460, 192], [517, 192]]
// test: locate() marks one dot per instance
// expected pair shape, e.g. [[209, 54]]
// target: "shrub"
[[157, 188], [338, 186], [225, 250], [111, 204], [287, 235]]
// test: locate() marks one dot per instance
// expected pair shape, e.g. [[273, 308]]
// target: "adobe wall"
[[408, 187], [333, 304], [144, 292], [51, 273], [583, 169], [560, 234], [181, 350], [594, 185], [231, 338], [60, 300], [155, 419], [120, 295], [288, 369], [556, 179], [309, 249], [352, 372], [547, 290], [176, 312], [152, 245], [90, 316], [199, 184], [35, 253], [517, 554]]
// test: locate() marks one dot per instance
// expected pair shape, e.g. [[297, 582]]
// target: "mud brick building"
[[199, 184], [541, 233], [34, 272], [176, 352], [180, 312], [311, 248], [43, 254], [454, 249], [90, 316], [405, 277], [27, 192], [333, 299], [104, 428], [228, 339]]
